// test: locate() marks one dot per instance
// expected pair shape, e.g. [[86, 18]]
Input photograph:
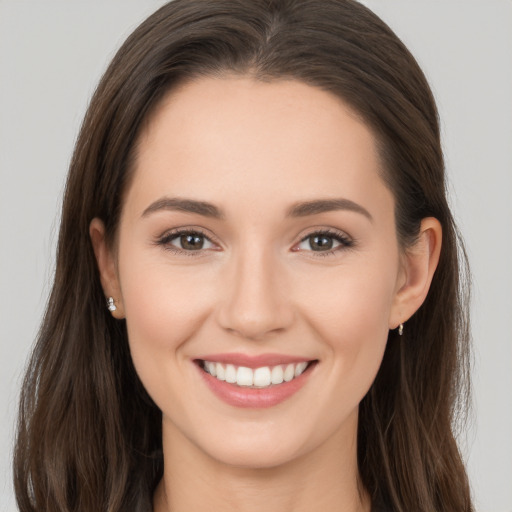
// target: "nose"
[[255, 303]]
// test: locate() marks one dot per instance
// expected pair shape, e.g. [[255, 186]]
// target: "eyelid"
[[171, 234], [345, 241]]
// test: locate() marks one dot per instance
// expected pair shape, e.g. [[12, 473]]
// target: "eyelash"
[[165, 241], [344, 241]]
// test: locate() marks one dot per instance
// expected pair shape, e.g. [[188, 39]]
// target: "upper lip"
[[254, 361]]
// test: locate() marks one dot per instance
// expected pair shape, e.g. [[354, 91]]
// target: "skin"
[[253, 150]]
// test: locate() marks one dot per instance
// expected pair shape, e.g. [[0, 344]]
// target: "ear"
[[107, 266], [418, 266]]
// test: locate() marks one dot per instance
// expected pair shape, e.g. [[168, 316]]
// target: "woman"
[[257, 298]]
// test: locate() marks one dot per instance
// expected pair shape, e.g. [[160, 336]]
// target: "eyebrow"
[[184, 205], [300, 209], [304, 209]]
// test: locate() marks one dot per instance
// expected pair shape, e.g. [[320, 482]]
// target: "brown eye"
[[320, 242], [325, 242], [191, 242], [186, 241]]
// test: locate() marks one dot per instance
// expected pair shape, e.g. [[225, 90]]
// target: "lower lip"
[[240, 396]]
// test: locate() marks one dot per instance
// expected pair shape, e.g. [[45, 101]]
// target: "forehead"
[[281, 140]]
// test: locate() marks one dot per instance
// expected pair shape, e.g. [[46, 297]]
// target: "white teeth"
[[300, 368], [212, 368], [262, 377], [289, 373], [244, 376], [230, 374], [259, 377], [220, 371], [277, 375]]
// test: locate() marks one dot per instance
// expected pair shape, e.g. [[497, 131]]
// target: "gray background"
[[51, 56]]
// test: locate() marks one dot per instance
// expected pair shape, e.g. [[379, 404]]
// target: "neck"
[[325, 480]]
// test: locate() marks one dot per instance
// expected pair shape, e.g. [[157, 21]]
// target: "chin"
[[254, 457]]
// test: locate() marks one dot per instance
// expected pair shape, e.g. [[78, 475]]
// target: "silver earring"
[[110, 304], [400, 329]]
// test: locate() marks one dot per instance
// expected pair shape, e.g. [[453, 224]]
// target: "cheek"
[[163, 306], [351, 301], [350, 315]]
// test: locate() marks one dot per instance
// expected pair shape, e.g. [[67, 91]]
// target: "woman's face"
[[257, 224]]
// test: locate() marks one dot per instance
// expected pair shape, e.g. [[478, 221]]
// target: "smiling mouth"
[[256, 378]]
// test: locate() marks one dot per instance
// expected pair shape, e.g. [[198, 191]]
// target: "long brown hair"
[[89, 436]]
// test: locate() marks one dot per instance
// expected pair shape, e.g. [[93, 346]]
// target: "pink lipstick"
[[246, 395]]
